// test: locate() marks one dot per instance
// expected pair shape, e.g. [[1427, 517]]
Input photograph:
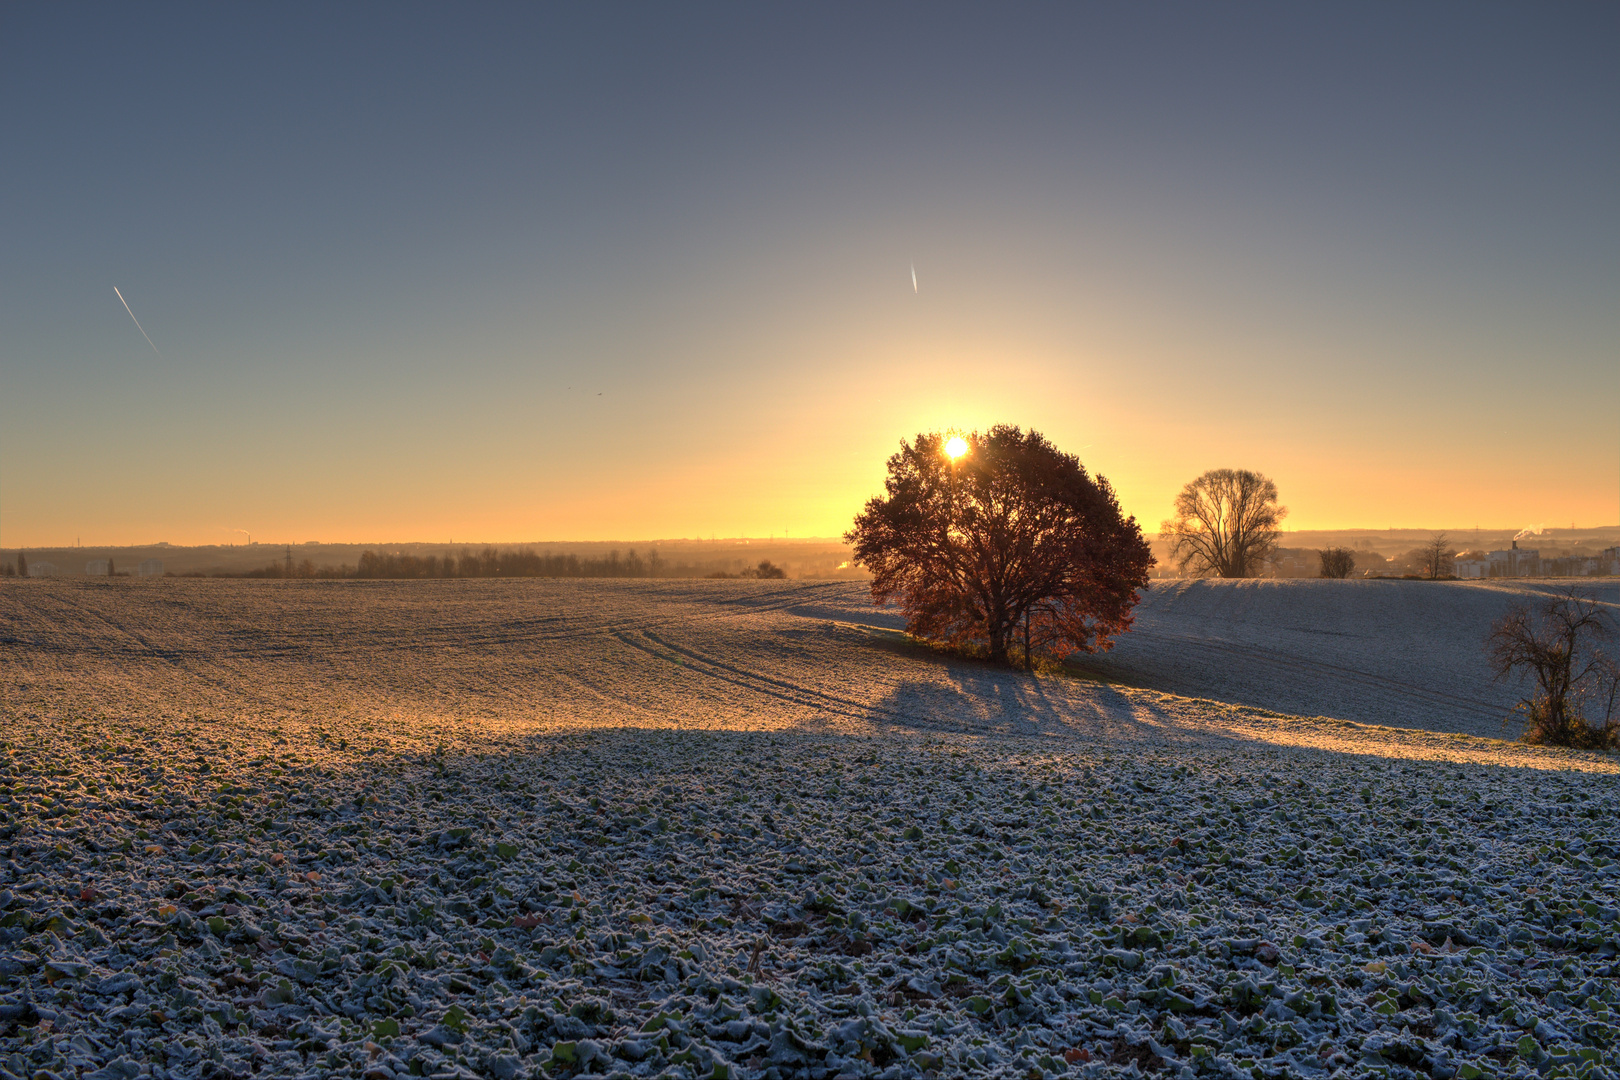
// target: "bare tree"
[[1225, 524], [1436, 557], [1337, 562], [1554, 645]]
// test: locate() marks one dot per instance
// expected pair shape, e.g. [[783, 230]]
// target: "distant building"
[[1472, 568], [1609, 561], [1515, 563], [98, 567], [41, 569], [1569, 566], [1292, 563], [150, 568]]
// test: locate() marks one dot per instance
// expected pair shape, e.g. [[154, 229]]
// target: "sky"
[[565, 272]]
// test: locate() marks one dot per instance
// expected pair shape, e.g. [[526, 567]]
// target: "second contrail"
[[121, 300]]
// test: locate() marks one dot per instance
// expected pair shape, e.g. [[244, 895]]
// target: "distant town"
[[1571, 554]]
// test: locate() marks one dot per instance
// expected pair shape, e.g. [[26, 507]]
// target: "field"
[[527, 828], [1402, 653]]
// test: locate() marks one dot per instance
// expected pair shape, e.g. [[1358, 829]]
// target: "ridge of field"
[[724, 654]]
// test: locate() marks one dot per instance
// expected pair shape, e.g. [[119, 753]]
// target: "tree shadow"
[[976, 698]]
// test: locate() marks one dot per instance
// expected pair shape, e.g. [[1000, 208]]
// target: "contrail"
[[913, 280], [121, 300]]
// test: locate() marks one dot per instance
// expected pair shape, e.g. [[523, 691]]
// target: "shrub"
[[1337, 562], [1554, 645]]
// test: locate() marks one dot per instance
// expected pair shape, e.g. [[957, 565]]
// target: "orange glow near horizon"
[[791, 457], [795, 449]]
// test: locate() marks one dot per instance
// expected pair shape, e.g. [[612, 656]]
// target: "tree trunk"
[[998, 645]]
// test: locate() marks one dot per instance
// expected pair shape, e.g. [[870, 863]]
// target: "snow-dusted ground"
[[1402, 653], [526, 827], [1409, 653]]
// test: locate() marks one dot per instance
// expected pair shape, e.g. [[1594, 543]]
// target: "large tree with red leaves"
[[1011, 540]]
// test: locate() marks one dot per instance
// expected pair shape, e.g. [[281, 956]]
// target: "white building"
[[98, 567], [1514, 563], [1472, 568], [41, 569], [150, 568]]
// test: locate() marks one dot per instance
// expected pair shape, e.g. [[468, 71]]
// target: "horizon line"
[[768, 539]]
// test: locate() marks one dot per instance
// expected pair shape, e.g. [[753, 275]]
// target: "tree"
[[1554, 645], [1337, 562], [1011, 535], [1436, 557], [22, 565], [768, 569], [1225, 524]]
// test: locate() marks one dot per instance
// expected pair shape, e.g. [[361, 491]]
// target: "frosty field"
[[530, 828]]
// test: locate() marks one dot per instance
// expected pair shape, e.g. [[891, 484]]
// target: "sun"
[[955, 447]]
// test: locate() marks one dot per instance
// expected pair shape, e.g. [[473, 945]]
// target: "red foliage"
[[1013, 538]]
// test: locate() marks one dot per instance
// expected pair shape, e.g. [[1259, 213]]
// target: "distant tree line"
[[765, 570], [491, 562], [1227, 524], [1433, 561]]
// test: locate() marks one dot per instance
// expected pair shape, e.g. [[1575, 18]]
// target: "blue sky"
[[512, 272]]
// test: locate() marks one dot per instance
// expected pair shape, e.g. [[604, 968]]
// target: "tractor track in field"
[[223, 641], [767, 686]]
